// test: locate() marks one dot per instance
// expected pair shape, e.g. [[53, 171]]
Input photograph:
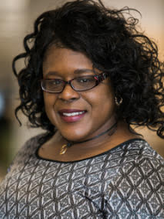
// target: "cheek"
[[102, 99], [49, 101]]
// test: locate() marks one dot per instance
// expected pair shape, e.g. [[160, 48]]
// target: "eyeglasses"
[[79, 84]]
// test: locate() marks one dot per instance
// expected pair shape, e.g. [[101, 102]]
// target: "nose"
[[68, 93]]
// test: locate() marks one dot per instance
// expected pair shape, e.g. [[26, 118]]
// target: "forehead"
[[63, 59]]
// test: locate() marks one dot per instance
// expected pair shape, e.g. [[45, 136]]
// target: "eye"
[[85, 80], [56, 82]]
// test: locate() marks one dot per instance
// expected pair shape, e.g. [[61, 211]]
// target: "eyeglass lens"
[[78, 84]]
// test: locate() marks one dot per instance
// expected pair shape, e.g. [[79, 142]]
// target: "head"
[[75, 109], [112, 44]]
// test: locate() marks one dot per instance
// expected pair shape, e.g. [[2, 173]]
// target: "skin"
[[98, 103]]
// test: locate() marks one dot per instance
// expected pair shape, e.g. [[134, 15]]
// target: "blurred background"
[[16, 20]]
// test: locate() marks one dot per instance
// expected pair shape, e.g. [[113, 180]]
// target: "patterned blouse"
[[126, 182]]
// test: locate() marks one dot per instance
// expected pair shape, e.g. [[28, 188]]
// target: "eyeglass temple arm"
[[103, 76]]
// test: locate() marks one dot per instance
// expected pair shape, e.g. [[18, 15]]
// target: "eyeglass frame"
[[99, 78]]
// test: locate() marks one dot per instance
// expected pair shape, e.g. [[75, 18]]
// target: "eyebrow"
[[77, 71]]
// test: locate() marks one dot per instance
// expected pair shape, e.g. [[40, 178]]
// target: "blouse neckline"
[[101, 154]]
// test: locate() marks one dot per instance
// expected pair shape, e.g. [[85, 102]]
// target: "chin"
[[74, 135]]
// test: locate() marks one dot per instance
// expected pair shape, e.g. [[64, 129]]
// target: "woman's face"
[[77, 115]]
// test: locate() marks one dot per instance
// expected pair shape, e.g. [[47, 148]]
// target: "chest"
[[49, 188]]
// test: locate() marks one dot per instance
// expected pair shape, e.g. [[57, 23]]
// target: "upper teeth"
[[73, 114]]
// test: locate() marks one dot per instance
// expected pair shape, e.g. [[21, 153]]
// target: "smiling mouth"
[[73, 114]]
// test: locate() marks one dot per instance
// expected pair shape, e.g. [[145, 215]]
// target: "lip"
[[73, 118]]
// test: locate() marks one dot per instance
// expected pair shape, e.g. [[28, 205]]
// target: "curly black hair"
[[111, 40]]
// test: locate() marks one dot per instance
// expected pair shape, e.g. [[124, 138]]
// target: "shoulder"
[[141, 148], [27, 150], [139, 183], [31, 144], [139, 164], [138, 161], [142, 158]]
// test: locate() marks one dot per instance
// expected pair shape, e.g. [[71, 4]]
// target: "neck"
[[110, 131]]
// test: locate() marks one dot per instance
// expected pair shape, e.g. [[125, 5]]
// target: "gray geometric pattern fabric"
[[126, 182]]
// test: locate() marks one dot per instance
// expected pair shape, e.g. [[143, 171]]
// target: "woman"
[[90, 76]]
